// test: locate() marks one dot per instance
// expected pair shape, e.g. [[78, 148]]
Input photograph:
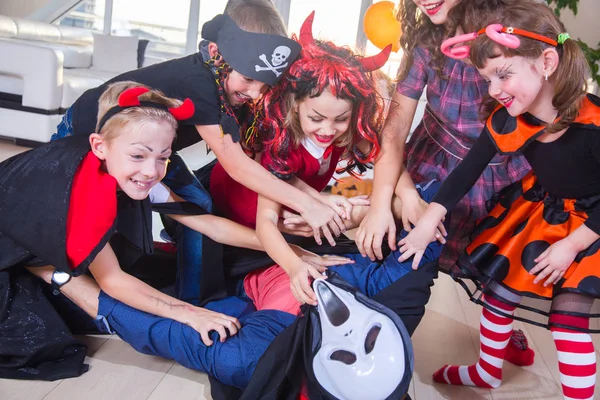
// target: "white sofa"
[[44, 68]]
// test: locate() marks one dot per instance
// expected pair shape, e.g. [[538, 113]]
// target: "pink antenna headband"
[[499, 34]]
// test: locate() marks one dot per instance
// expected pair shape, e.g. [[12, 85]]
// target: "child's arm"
[[413, 206], [456, 185], [135, 293], [379, 220], [341, 204], [252, 175], [300, 272], [221, 230]]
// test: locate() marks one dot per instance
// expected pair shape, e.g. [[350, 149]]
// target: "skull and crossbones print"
[[278, 60]]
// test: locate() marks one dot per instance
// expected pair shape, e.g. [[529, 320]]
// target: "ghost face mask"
[[363, 353]]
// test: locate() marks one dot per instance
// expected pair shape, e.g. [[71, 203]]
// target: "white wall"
[[20, 8], [585, 25]]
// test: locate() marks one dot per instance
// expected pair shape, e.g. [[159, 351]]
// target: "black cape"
[[35, 189], [281, 370]]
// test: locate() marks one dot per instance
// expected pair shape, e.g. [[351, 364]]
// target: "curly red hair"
[[322, 65]]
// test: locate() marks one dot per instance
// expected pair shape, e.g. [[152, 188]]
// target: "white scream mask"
[[362, 354]]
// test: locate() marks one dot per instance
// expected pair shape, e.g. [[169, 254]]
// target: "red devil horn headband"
[[369, 63], [131, 98], [306, 36]]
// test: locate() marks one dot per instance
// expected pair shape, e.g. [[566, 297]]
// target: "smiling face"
[[517, 83], [240, 89], [325, 118], [137, 156], [436, 10]]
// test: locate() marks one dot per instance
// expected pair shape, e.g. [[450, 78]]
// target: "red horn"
[[184, 111], [377, 61], [306, 36], [129, 97]]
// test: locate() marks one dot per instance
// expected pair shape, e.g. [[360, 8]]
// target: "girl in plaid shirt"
[[450, 126]]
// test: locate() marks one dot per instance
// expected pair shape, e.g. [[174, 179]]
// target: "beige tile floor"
[[447, 334]]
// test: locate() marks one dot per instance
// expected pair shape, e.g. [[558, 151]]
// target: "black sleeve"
[[593, 221], [462, 179], [202, 90]]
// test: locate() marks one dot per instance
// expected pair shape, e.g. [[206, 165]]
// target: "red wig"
[[322, 66]]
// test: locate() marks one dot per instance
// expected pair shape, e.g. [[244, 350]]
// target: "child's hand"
[[554, 262], [323, 261], [362, 200], [340, 204], [321, 219], [417, 241], [204, 321], [301, 276], [294, 224], [372, 229], [413, 208]]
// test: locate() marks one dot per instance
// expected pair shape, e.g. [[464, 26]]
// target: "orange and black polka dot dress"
[[560, 194]]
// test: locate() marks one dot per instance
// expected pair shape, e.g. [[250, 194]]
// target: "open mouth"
[[242, 98], [324, 138], [433, 8], [142, 184], [507, 101]]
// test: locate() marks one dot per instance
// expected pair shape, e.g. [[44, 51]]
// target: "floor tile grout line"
[[161, 380]]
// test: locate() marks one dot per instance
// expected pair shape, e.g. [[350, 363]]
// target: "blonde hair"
[[571, 74], [133, 115], [258, 16]]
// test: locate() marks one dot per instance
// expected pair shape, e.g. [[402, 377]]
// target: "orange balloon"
[[380, 25]]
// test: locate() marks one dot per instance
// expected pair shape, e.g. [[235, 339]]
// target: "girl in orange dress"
[[538, 248]]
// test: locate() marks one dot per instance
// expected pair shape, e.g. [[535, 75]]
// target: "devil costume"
[[561, 194], [79, 215]]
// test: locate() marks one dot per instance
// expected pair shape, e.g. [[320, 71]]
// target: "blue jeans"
[[65, 127], [182, 181], [231, 362]]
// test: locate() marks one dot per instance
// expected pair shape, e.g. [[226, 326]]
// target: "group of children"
[[282, 115]]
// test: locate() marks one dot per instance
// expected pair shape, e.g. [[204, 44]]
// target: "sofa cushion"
[[8, 28], [73, 35], [115, 53], [38, 31], [77, 80], [73, 56]]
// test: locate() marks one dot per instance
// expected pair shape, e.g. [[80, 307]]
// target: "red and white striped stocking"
[[495, 332], [576, 357]]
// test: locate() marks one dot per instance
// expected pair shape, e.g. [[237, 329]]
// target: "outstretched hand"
[[372, 230], [417, 240], [323, 220], [317, 260], [413, 208], [301, 277], [204, 321]]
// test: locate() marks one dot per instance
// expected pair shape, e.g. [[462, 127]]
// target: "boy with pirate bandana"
[[247, 52]]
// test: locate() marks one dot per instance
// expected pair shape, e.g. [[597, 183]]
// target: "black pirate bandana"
[[258, 56]]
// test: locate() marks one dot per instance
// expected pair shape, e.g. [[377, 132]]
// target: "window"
[[88, 14], [208, 9], [335, 20], [163, 23]]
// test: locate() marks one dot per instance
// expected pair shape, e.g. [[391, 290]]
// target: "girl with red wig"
[[325, 112]]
